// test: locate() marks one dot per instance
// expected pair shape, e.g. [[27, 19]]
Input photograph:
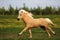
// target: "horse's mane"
[[24, 11]]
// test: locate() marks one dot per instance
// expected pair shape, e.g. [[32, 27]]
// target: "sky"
[[29, 3]]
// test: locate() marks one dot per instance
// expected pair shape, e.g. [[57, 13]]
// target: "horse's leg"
[[51, 30], [48, 33], [30, 33], [44, 28], [23, 30]]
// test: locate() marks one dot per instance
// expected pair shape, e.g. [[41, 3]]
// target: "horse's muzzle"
[[18, 19]]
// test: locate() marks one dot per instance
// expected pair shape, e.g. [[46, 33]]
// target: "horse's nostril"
[[18, 19]]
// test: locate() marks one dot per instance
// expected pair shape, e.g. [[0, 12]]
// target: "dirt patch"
[[9, 35]]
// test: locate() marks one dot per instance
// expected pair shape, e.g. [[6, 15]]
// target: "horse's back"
[[40, 21]]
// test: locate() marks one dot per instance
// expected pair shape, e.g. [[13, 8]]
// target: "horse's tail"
[[50, 22]]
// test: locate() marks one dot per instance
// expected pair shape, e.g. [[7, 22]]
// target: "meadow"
[[10, 27]]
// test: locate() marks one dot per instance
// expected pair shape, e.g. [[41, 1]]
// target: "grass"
[[10, 27]]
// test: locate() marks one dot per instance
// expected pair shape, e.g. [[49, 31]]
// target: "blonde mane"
[[28, 13]]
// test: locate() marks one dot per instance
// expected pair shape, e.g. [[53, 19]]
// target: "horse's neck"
[[27, 19]]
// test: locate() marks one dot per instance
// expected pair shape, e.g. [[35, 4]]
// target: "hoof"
[[19, 35], [55, 34], [49, 36], [30, 37]]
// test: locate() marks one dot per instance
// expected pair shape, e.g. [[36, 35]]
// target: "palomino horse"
[[30, 22]]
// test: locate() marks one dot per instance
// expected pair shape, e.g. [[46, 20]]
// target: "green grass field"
[[10, 27]]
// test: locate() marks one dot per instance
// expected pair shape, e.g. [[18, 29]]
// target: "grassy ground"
[[10, 27]]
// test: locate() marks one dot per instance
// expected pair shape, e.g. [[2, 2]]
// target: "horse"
[[31, 22]]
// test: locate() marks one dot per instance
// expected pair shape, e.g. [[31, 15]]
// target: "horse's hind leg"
[[48, 33], [44, 28], [51, 30]]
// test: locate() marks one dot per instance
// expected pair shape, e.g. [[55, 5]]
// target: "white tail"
[[49, 21]]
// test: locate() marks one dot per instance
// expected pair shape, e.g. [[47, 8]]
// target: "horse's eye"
[[21, 11]]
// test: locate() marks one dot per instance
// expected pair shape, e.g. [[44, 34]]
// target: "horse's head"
[[20, 15], [23, 13]]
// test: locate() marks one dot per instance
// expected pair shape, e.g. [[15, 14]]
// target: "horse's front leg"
[[23, 30], [30, 33]]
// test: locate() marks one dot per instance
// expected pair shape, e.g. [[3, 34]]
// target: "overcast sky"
[[29, 3]]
